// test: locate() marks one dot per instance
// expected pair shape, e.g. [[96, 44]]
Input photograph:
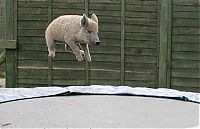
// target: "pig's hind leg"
[[51, 46]]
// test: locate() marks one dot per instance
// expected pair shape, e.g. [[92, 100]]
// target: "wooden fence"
[[146, 43]]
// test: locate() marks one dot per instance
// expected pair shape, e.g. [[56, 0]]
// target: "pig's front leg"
[[87, 53], [75, 49]]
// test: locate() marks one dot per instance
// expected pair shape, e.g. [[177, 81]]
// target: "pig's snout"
[[97, 43]]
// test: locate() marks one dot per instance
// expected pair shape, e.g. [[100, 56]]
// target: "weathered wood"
[[141, 21], [143, 59], [165, 36], [71, 82], [104, 6], [190, 64], [185, 55], [8, 44], [122, 50], [32, 24], [68, 73], [186, 73], [185, 82], [136, 83], [140, 51], [33, 73], [104, 74], [186, 47], [11, 65]]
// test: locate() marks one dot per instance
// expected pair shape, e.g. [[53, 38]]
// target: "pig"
[[73, 30]]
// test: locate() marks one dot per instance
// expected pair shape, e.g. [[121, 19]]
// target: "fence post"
[[11, 32], [165, 44], [122, 42], [50, 60]]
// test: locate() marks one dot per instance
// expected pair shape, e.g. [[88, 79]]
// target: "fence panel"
[[151, 43], [185, 64]]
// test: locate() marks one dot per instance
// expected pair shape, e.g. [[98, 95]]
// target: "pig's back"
[[66, 25]]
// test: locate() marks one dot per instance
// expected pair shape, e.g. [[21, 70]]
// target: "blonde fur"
[[72, 29]]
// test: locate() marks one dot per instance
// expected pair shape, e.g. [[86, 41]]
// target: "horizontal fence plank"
[[33, 47], [185, 38], [140, 29], [105, 1], [152, 15], [141, 2], [32, 11], [186, 64], [129, 66], [185, 73], [57, 11], [183, 22], [191, 89], [104, 6], [68, 64], [135, 83], [185, 2], [150, 76], [109, 27], [66, 5], [140, 51], [141, 21], [186, 47], [33, 55], [31, 33], [139, 59], [33, 81], [67, 74], [110, 42], [32, 4], [113, 35], [185, 82], [32, 73], [186, 55], [186, 30], [105, 50], [31, 40], [105, 13], [29, 25], [108, 19], [109, 57], [104, 82], [140, 44], [104, 65], [141, 36], [192, 15], [68, 1], [34, 63], [32, 17], [104, 74], [61, 82], [140, 8], [180, 8]]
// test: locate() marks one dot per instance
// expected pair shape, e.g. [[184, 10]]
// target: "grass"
[[2, 74]]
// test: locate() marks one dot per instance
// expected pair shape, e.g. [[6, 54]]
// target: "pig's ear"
[[84, 21], [94, 18]]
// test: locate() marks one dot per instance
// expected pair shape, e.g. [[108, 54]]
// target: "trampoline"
[[99, 111]]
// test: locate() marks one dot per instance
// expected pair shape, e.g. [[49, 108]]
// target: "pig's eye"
[[89, 31]]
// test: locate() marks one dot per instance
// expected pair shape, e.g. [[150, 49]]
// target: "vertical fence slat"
[[122, 42], [165, 42], [169, 43], [50, 60], [11, 59], [87, 65]]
